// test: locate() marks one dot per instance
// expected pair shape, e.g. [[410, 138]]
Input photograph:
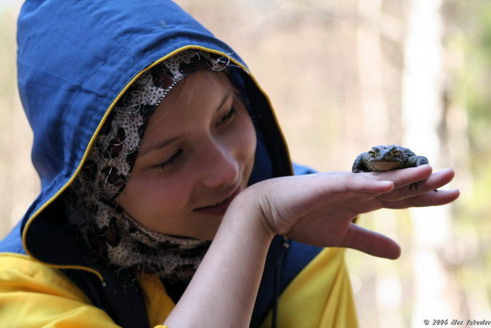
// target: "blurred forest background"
[[343, 76]]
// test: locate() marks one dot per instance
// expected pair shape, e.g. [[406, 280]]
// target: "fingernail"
[[387, 183]]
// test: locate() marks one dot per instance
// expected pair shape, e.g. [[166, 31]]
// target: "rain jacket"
[[75, 60]]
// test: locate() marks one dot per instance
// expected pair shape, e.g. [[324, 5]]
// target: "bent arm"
[[223, 290], [315, 209]]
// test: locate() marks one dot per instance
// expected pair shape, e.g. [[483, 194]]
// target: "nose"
[[220, 167]]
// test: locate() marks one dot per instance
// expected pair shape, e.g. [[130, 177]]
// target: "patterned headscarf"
[[90, 201]]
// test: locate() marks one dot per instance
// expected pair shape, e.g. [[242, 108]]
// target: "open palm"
[[319, 209]]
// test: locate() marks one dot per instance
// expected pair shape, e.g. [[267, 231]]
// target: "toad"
[[387, 157]]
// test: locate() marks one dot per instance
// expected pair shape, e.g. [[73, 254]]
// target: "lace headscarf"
[[90, 202]]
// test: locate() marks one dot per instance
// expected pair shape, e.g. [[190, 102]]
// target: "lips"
[[221, 207]]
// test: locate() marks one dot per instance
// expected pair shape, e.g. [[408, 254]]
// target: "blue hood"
[[75, 59]]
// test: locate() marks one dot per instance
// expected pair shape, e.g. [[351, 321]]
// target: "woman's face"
[[197, 153]]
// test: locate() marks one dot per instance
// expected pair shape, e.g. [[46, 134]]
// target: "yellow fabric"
[[158, 303], [319, 297], [35, 295]]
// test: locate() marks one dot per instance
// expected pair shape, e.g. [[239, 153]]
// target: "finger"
[[430, 198], [331, 186], [404, 177], [347, 182], [434, 181], [288, 198], [371, 242]]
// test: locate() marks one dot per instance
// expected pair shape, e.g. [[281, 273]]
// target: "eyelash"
[[229, 116], [170, 161]]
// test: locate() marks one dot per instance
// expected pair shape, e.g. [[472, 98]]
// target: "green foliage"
[[476, 26], [474, 95]]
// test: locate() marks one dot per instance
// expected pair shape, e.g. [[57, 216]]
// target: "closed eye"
[[170, 161], [229, 116]]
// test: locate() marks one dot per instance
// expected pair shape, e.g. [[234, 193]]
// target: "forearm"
[[223, 290]]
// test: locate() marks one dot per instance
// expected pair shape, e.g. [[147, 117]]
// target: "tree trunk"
[[422, 116]]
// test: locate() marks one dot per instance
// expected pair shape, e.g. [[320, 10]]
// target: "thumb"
[[371, 242]]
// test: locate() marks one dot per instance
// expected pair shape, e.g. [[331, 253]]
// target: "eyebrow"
[[157, 146], [164, 143]]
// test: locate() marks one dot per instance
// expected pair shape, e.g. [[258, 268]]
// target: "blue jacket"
[[75, 58]]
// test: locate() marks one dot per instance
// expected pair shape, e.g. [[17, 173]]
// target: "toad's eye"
[[371, 153], [395, 152]]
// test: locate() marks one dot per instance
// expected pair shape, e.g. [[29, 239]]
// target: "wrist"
[[234, 262], [247, 212]]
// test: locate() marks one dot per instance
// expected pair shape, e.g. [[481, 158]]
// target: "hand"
[[318, 209]]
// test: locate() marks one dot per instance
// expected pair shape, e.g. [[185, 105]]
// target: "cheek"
[[247, 139], [148, 200]]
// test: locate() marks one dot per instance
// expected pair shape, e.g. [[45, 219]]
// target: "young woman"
[[167, 193]]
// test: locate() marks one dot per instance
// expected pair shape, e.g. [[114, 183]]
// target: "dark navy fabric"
[[74, 59], [120, 296], [284, 262], [66, 92], [58, 81]]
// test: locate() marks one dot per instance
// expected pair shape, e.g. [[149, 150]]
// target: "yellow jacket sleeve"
[[35, 295]]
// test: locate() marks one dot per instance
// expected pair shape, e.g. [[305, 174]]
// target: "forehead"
[[190, 105], [200, 89]]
